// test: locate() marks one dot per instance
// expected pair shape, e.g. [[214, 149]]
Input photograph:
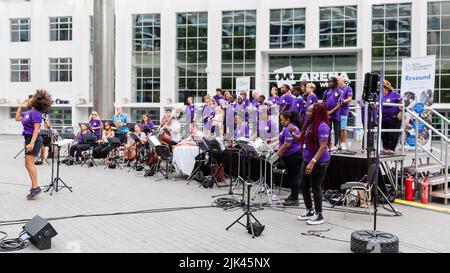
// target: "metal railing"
[[444, 127], [444, 142]]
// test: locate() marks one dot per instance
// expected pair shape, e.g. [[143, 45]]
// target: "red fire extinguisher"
[[409, 188], [425, 189]]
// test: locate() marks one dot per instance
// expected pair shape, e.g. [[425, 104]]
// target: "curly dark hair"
[[41, 101]]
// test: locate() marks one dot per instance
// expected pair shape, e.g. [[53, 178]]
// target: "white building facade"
[[167, 50]]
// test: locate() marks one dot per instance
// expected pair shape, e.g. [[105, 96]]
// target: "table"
[[184, 158]]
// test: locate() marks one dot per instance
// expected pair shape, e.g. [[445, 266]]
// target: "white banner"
[[242, 84], [418, 79]]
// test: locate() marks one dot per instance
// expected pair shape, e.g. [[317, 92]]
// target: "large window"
[[20, 70], [314, 68], [60, 28], [287, 28], [20, 30], [338, 26], [192, 55], [238, 47], [60, 69], [439, 45], [391, 39], [146, 58], [60, 117], [136, 114]]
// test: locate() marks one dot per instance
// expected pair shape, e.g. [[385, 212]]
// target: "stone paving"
[[100, 191]]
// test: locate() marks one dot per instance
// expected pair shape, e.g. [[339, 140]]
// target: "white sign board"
[[242, 84], [418, 79]]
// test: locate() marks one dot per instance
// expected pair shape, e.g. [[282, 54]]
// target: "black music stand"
[[87, 158], [54, 184], [130, 126], [213, 146], [68, 160], [114, 142], [248, 148], [203, 151]]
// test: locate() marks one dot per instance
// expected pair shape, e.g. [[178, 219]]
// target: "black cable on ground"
[[227, 203], [161, 210], [9, 245]]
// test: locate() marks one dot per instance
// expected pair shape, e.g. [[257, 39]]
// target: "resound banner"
[[418, 79]]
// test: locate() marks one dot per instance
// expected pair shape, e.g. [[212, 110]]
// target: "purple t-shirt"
[[324, 135], [247, 102], [310, 100], [218, 99], [389, 112], [96, 123], [347, 92], [255, 102], [286, 137], [80, 137], [29, 118], [297, 104], [286, 100], [275, 99], [190, 111], [150, 125], [331, 97]]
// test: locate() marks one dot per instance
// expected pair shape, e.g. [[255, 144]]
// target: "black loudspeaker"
[[40, 232], [366, 90], [370, 85], [375, 78]]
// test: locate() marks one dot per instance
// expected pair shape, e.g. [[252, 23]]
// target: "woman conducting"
[[31, 120]]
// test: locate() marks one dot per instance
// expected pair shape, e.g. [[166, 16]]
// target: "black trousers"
[[77, 149], [292, 164], [337, 131], [390, 140], [313, 181], [102, 151]]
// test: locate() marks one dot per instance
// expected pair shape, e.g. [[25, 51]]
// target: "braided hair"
[[319, 115]]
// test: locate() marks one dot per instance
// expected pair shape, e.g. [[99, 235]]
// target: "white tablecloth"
[[184, 157]]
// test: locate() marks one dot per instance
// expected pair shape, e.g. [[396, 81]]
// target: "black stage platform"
[[343, 168]]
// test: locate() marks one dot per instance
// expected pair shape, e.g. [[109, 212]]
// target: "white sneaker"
[[344, 146], [317, 219], [307, 215]]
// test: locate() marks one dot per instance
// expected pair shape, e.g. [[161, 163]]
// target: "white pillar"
[[104, 59]]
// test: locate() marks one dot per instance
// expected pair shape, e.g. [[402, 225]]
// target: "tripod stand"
[[87, 158], [248, 213], [203, 149], [233, 184], [54, 184]]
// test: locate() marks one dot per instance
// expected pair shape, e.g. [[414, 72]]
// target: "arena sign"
[[285, 75]]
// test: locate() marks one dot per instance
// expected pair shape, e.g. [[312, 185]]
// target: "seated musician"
[[47, 142], [103, 149], [77, 149], [165, 119], [139, 131], [174, 128], [147, 124]]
